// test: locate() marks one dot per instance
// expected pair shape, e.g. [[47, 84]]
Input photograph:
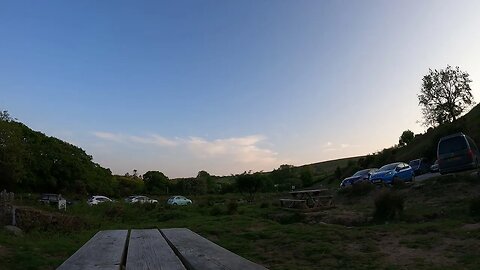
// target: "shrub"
[[114, 211], [475, 207], [232, 207], [216, 211], [264, 205], [388, 205]]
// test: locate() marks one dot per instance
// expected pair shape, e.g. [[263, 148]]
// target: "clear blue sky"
[[227, 86]]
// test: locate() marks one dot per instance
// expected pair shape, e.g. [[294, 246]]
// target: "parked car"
[[140, 199], [434, 167], [94, 200], [419, 166], [394, 172], [457, 152], [50, 198], [360, 176], [178, 200]]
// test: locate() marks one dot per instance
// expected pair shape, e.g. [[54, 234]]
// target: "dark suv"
[[419, 166], [457, 152]]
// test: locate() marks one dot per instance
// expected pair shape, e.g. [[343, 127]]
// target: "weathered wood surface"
[[198, 253], [148, 250], [104, 251], [308, 191]]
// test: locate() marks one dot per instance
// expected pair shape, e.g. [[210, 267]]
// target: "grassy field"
[[436, 230]]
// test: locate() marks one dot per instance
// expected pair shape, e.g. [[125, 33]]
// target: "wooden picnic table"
[[311, 199], [172, 249]]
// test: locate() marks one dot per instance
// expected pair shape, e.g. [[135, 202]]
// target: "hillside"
[[423, 145], [31, 161]]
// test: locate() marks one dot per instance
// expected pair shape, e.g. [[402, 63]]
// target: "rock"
[[14, 230]]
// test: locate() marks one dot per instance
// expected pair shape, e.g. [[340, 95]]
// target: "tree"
[[5, 116], [406, 138], [445, 95], [338, 172], [306, 177], [251, 183], [155, 182]]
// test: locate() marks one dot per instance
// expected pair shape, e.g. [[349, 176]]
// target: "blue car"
[[360, 176], [394, 172]]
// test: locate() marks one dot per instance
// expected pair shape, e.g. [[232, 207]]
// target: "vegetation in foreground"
[[437, 228]]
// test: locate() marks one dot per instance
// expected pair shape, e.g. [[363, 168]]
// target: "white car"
[[179, 200], [140, 199], [94, 200]]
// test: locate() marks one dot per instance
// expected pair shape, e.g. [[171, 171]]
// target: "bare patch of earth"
[[471, 227], [397, 253]]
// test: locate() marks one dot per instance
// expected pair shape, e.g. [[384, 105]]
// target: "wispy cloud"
[[332, 147], [153, 139], [121, 138], [241, 149], [108, 136], [248, 150]]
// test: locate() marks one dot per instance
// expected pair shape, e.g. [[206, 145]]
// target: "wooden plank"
[[308, 191], [292, 200], [148, 250], [104, 251], [198, 253]]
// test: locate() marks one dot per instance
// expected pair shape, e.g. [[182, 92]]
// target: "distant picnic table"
[[308, 200], [172, 249]]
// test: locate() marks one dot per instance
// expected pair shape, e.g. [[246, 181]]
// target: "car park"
[[140, 199], [179, 200], [358, 177], [393, 173], [419, 166], [457, 152], [94, 200]]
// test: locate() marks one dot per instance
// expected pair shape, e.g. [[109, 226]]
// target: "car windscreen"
[[414, 162], [362, 172], [388, 167], [452, 145]]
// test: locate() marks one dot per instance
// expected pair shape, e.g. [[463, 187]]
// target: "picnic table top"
[[175, 249], [308, 191]]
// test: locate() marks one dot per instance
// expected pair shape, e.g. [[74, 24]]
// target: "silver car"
[[179, 200]]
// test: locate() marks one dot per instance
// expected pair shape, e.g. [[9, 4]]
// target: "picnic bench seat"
[[176, 249], [308, 200]]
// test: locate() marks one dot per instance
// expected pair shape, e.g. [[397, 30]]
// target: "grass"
[[432, 227]]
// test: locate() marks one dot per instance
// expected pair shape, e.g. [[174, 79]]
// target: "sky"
[[228, 86]]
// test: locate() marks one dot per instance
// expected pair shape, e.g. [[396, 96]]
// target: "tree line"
[[30, 161]]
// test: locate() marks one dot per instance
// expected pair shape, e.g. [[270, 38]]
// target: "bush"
[[388, 205], [232, 207], [216, 211], [114, 211], [264, 205], [475, 207]]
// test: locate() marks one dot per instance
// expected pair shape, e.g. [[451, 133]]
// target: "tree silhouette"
[[445, 95]]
